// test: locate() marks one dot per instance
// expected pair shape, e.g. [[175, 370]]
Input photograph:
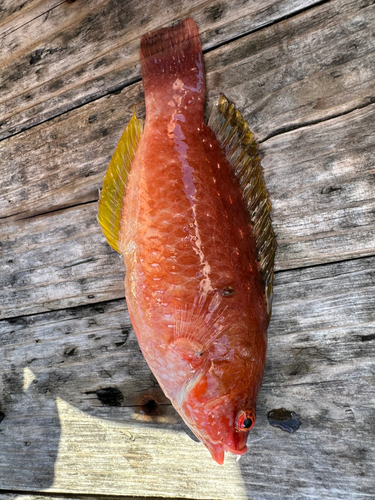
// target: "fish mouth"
[[217, 448], [235, 451], [234, 443], [218, 451], [217, 455]]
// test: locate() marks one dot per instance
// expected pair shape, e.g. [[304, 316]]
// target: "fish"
[[185, 204]]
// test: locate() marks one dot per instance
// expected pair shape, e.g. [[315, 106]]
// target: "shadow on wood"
[[80, 412]]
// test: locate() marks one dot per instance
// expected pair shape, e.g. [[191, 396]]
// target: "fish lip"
[[235, 451], [218, 451]]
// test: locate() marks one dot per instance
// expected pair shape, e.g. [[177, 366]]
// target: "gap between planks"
[[5, 494], [32, 495], [279, 273], [132, 80]]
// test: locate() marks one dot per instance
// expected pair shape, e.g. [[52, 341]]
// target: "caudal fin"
[[169, 39], [171, 59]]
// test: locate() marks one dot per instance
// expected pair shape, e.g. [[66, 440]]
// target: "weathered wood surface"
[[271, 75], [62, 56], [51, 496], [320, 178], [80, 411], [82, 371]]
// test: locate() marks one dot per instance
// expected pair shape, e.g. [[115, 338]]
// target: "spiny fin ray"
[[242, 153], [112, 195]]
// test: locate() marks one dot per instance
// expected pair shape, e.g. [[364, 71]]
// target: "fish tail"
[[166, 38], [172, 65]]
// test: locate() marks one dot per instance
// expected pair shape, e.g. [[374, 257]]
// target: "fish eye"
[[247, 423], [245, 420], [228, 291]]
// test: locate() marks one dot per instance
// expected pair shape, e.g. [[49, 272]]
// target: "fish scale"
[[186, 206]]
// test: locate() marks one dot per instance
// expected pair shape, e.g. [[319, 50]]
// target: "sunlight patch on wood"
[[128, 459], [28, 378]]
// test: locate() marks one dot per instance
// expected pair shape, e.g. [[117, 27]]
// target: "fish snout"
[[234, 443]]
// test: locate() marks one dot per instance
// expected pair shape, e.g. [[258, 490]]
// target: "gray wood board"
[[78, 380], [9, 495], [77, 52], [320, 182], [277, 86], [80, 411]]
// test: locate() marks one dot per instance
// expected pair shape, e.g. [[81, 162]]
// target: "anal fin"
[[241, 151], [112, 195]]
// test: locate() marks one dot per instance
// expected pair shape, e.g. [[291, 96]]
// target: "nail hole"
[[110, 396], [69, 351], [149, 406]]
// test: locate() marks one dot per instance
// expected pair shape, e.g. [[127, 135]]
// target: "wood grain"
[[81, 415], [82, 51], [276, 88], [319, 364], [16, 12], [51, 496], [321, 182], [323, 206]]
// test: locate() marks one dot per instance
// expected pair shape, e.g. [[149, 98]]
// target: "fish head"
[[220, 407]]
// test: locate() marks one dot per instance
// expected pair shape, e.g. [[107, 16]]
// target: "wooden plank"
[[319, 364], [275, 88], [323, 206], [54, 261], [306, 69], [321, 182], [85, 50], [80, 412], [51, 496], [10, 10]]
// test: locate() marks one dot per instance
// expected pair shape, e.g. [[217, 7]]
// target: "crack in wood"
[[292, 127], [7, 33], [366, 338], [59, 209], [116, 89], [78, 262], [266, 25], [119, 87], [71, 496], [95, 305], [280, 272]]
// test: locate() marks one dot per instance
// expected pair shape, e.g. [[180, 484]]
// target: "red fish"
[[185, 204]]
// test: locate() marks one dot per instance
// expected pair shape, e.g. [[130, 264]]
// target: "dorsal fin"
[[242, 153], [112, 196]]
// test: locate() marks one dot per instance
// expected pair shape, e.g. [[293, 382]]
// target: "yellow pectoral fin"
[[112, 195]]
